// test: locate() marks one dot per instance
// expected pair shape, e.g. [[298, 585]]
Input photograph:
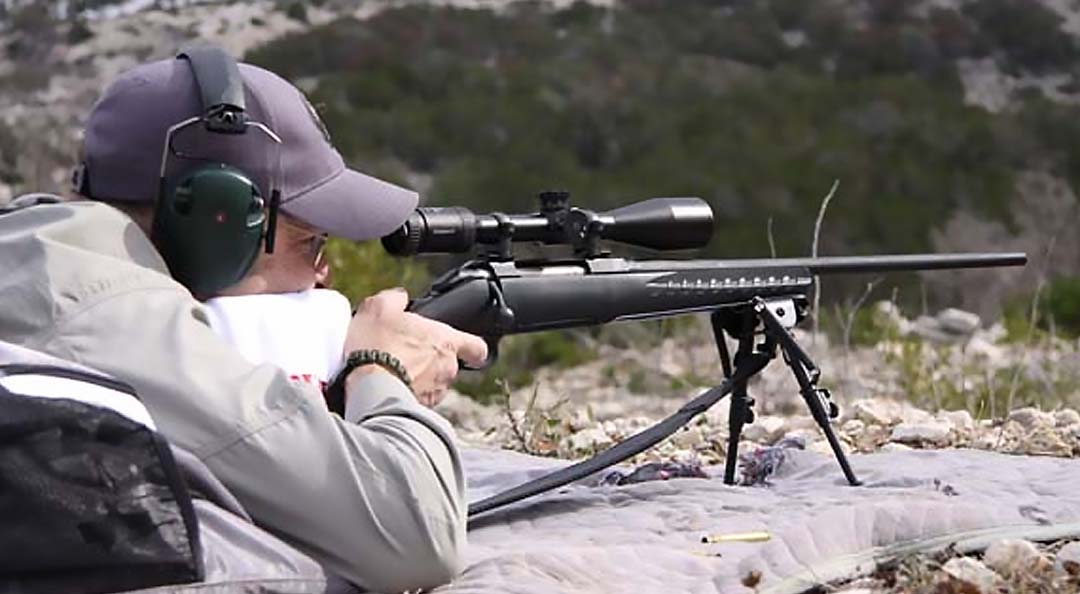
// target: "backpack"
[[91, 499]]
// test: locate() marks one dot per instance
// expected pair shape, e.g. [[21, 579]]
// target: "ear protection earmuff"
[[211, 220]]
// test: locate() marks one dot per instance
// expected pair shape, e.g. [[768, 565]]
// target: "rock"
[[887, 314], [877, 411], [1044, 441], [580, 420], [588, 440], [930, 329], [973, 572], [1067, 561], [765, 429], [1066, 418], [853, 428], [986, 441], [465, 413], [993, 355], [1031, 418], [688, 439], [995, 333], [1011, 556], [808, 435], [958, 321], [936, 433], [894, 447], [960, 419]]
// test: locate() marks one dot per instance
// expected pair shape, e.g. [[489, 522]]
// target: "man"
[[376, 496]]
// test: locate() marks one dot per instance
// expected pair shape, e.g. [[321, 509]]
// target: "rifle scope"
[[657, 223]]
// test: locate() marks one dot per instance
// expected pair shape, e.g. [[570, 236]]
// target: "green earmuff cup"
[[208, 226]]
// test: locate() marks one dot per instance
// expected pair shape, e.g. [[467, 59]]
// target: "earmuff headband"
[[220, 87]]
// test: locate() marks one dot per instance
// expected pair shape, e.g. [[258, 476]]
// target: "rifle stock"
[[494, 299]]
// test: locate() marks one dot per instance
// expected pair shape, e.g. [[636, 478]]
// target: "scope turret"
[[657, 223]]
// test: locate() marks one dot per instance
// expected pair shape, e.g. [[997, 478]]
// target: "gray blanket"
[[646, 537]]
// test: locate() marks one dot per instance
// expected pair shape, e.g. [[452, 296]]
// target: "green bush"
[[695, 98], [360, 270], [1058, 311], [1063, 306], [297, 11], [79, 32], [497, 106], [1029, 33]]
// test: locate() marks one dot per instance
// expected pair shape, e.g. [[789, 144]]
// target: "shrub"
[[360, 270], [297, 11], [1058, 311]]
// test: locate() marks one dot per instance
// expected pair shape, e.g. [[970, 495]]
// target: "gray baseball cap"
[[125, 134]]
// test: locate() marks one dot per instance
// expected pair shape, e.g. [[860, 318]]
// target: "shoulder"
[[60, 257]]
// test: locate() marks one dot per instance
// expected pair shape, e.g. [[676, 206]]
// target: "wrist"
[[357, 365], [366, 369], [366, 361]]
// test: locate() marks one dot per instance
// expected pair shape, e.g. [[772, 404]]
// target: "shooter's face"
[[297, 263]]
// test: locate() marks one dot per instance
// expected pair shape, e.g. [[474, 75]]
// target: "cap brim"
[[353, 206]]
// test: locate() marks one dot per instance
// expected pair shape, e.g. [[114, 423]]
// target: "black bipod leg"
[[818, 400], [741, 325]]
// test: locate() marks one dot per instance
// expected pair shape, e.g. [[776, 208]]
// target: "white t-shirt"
[[302, 333]]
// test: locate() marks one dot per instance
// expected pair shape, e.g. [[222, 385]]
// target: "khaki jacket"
[[379, 501]]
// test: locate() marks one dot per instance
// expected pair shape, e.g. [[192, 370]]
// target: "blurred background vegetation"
[[754, 106], [757, 106]]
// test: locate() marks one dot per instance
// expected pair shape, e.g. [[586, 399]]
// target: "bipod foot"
[[818, 400]]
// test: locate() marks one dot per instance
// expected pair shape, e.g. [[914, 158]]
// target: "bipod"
[[770, 321], [745, 322]]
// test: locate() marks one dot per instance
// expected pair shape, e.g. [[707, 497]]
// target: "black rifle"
[[755, 301]]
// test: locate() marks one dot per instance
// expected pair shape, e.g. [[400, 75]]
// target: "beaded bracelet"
[[335, 392]]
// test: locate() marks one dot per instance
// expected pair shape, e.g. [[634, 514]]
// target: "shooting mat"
[[646, 537]]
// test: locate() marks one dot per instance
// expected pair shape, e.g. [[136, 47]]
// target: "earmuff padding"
[[209, 227]]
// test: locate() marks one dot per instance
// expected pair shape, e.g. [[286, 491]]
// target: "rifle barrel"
[[851, 264]]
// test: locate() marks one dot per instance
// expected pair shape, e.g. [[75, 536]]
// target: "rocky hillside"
[[950, 123]]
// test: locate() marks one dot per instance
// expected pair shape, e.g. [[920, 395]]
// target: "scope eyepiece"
[[657, 223], [448, 230]]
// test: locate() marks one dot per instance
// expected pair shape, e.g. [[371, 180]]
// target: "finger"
[[431, 397], [471, 348]]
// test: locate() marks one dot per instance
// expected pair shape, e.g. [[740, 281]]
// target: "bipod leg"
[[741, 411], [740, 325], [818, 400]]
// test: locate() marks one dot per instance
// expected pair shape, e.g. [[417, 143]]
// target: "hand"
[[428, 349]]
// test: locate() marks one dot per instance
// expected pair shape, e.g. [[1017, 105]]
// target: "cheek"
[[287, 270], [298, 268]]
